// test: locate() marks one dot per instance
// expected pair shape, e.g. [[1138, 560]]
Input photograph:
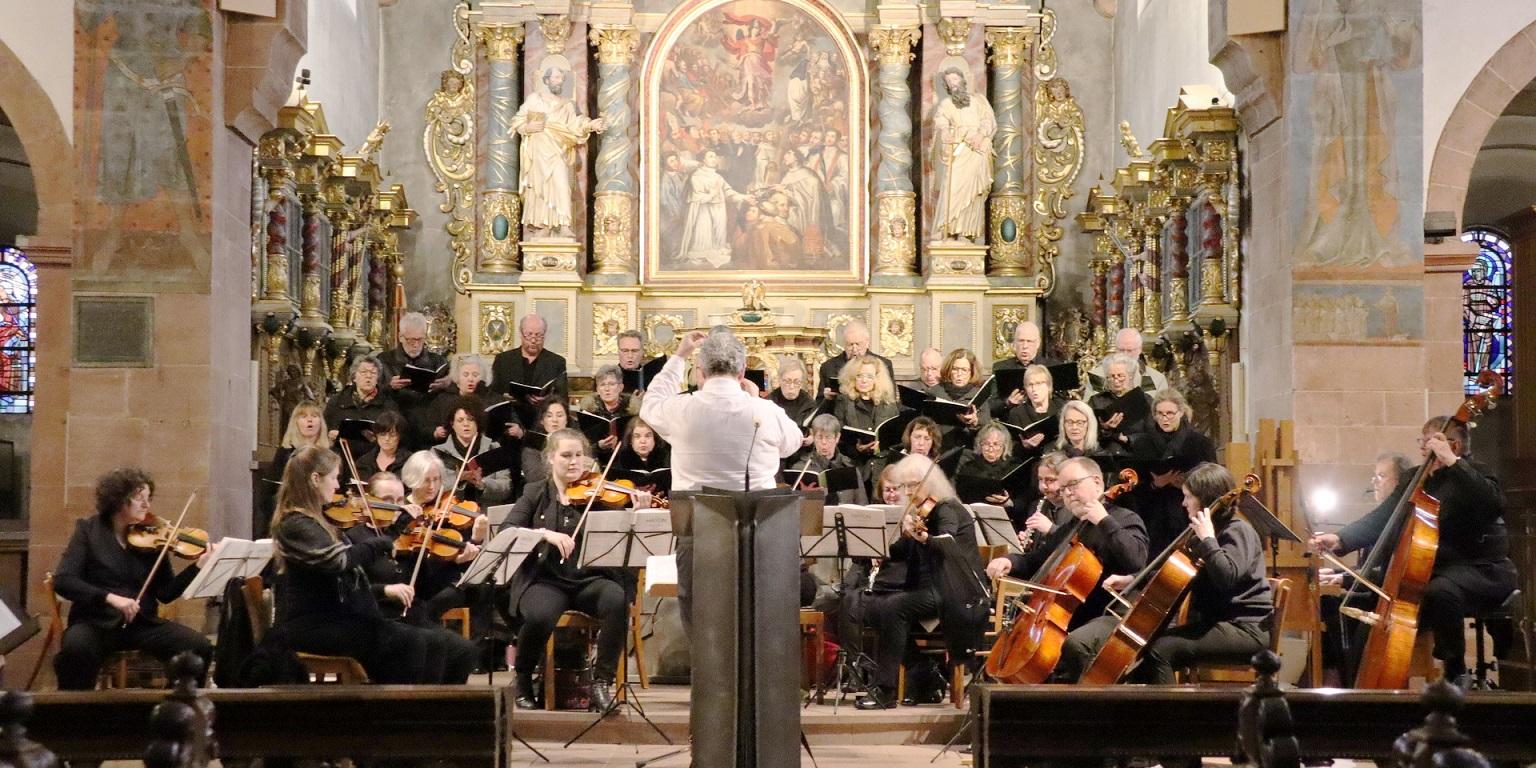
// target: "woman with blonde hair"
[[306, 427], [325, 604], [866, 397]]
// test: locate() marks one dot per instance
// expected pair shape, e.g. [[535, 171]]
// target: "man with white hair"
[[412, 402], [722, 435], [855, 343], [533, 365], [930, 367], [1026, 349], [1127, 342]]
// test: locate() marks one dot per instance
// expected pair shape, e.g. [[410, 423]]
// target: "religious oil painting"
[[754, 147]]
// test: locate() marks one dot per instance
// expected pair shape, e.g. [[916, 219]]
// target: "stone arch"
[[1450, 171], [41, 132]]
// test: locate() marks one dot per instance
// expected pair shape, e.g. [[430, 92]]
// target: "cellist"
[[1115, 535], [1230, 600], [1472, 569]]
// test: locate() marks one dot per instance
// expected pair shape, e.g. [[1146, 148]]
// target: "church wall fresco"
[[144, 132], [753, 128], [1355, 94]]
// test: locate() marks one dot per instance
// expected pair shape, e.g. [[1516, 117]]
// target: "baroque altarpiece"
[[775, 165]]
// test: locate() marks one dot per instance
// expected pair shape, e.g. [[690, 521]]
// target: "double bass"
[[1167, 579], [1416, 522], [1028, 650]]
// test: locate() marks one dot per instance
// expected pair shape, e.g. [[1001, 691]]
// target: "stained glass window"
[[18, 331], [1487, 295]]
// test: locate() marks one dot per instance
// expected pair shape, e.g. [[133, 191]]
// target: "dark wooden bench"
[[1018, 724], [465, 725]]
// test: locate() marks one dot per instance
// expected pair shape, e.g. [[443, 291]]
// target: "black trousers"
[[86, 645], [1175, 648], [892, 615], [1456, 591], [391, 652], [540, 607]]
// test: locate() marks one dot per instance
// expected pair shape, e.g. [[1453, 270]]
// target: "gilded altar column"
[[1178, 266], [614, 206], [309, 244], [1151, 282], [1114, 296], [1100, 311], [1009, 207], [895, 199], [501, 208]]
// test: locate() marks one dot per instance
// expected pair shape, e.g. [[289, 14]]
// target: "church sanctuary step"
[[1022, 724]]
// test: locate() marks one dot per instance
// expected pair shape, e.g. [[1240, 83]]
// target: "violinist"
[[100, 574], [990, 458], [1115, 535], [801, 471], [1079, 433], [1230, 605], [1472, 569], [464, 443], [609, 401], [1120, 427], [643, 450], [386, 455], [867, 397], [424, 475], [550, 583], [922, 585], [324, 601], [362, 399]]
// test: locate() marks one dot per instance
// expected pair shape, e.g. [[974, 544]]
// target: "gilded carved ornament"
[[497, 319], [894, 45], [608, 321], [1058, 158], [1010, 45], [615, 45], [955, 32], [501, 41], [557, 31], [896, 329]]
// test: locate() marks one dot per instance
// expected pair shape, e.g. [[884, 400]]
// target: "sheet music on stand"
[[863, 533], [501, 556], [996, 529], [893, 514], [625, 538], [235, 559], [497, 515]]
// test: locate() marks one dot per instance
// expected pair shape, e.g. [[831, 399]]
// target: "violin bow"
[[164, 548], [597, 490], [434, 525], [362, 490]]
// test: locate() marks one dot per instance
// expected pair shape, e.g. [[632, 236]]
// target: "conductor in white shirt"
[[722, 436]]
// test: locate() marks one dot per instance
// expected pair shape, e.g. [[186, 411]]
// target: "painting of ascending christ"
[[754, 143]]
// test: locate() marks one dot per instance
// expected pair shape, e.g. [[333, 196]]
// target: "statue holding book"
[[551, 128]]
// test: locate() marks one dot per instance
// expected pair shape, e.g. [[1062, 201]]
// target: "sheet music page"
[[9, 622], [660, 570]]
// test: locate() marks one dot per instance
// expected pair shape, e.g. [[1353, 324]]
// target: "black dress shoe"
[[526, 702], [525, 696], [876, 698], [601, 696]]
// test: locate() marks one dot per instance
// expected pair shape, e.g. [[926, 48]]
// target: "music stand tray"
[[236, 559], [624, 538]]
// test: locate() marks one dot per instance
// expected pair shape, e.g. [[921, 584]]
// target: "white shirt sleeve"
[[790, 436], [662, 407]]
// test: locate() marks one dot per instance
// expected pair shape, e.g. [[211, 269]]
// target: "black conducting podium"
[[746, 634]]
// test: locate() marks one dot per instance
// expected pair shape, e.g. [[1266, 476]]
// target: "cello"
[[1394, 624], [1167, 579], [1028, 650]]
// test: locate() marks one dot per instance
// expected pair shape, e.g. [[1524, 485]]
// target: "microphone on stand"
[[747, 470]]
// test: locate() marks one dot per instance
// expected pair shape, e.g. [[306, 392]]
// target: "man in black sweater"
[[533, 365], [1115, 535], [1472, 569], [413, 403]]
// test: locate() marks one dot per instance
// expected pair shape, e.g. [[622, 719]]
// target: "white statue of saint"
[[962, 149], [551, 128]]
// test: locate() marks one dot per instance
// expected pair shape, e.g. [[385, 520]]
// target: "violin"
[[345, 511], [442, 543], [1028, 650], [919, 513], [1171, 575], [154, 533], [610, 493], [455, 513]]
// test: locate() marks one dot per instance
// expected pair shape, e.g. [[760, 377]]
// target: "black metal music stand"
[[624, 538], [497, 561], [847, 532]]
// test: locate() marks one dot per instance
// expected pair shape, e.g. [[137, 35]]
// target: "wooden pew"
[[465, 725], [1022, 724]]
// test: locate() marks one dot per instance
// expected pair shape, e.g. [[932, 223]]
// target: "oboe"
[[874, 572], [1030, 537]]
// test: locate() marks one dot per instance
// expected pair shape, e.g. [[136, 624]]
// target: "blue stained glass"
[[1487, 301]]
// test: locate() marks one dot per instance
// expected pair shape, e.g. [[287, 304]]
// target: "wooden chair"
[[581, 622], [812, 628], [459, 616], [123, 669], [637, 634], [1242, 673], [334, 670]]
